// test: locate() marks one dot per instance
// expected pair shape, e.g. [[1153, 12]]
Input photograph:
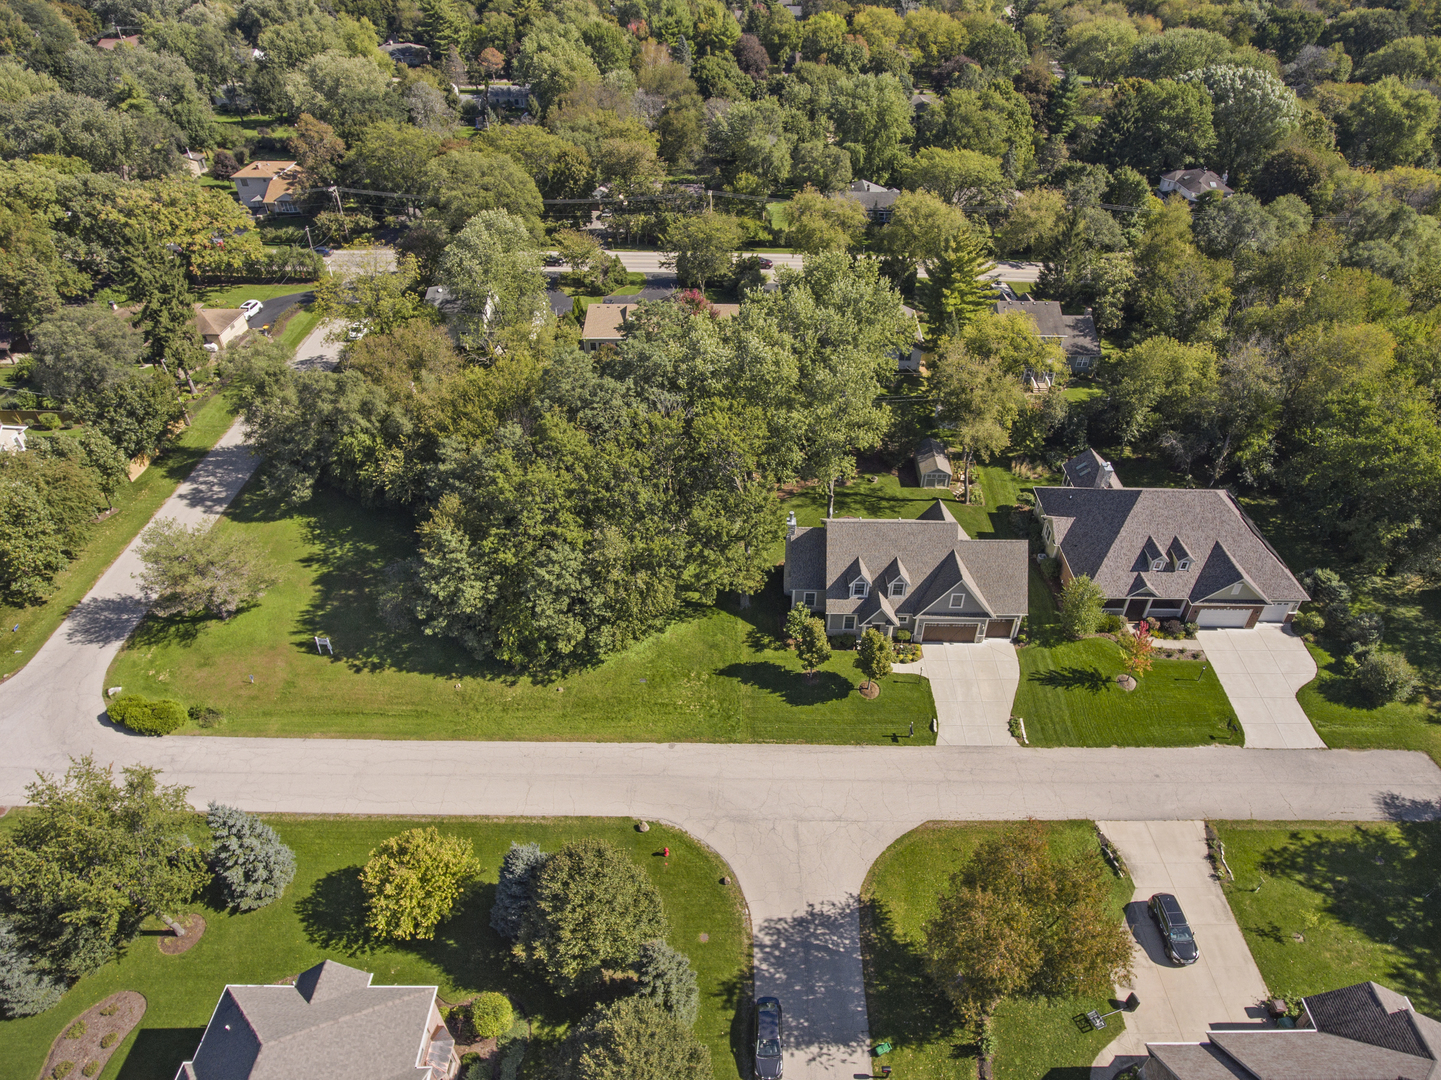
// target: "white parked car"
[[210, 346], [250, 307]]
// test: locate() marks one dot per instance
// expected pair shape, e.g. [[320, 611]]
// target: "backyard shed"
[[933, 467]]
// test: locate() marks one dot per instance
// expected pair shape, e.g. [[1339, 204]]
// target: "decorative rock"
[[643, 827], [1126, 683], [114, 690], [726, 880]]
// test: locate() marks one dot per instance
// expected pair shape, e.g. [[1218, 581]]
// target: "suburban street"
[[799, 825]]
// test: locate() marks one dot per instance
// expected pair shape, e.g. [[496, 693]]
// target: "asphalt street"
[[272, 309]]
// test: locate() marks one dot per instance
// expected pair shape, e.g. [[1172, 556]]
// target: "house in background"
[[221, 326], [923, 575], [1089, 469], [268, 187], [1167, 553], [407, 52], [331, 1023], [933, 467], [1076, 334], [12, 437], [1193, 183], [1361, 1032], [876, 198], [606, 323]]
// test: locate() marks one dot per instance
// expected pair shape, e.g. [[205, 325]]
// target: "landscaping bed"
[[85, 1046]]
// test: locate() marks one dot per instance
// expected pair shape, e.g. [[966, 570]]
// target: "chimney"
[[1107, 471], [791, 525]]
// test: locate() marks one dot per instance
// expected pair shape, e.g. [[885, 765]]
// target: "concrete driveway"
[[316, 353], [974, 687], [1261, 669], [1180, 1004]]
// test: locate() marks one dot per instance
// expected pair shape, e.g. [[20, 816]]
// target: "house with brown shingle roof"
[[1361, 1032], [924, 575], [220, 326], [332, 1024], [1170, 553], [1076, 334], [268, 187]]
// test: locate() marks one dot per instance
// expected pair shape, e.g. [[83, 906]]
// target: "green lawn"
[[1034, 1039], [1069, 697], [1363, 897], [321, 916], [1344, 715], [232, 296], [137, 503], [717, 675]]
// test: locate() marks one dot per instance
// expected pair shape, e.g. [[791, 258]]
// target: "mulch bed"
[[126, 1009], [171, 945], [869, 690]]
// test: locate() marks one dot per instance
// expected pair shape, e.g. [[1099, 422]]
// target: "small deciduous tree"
[[874, 655], [824, 222], [812, 647], [1137, 650], [188, 571], [1081, 602], [412, 881], [979, 400], [252, 863], [665, 975], [515, 890], [796, 621], [1019, 921], [593, 909], [104, 459]]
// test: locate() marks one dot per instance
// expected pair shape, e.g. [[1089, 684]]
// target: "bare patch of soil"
[[171, 945], [106, 1024]]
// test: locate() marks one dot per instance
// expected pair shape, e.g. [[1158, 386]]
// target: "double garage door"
[[966, 632], [1224, 618]]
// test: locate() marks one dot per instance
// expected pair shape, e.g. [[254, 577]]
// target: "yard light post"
[[1203, 673]]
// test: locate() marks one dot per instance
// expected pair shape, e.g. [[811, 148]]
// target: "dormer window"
[[898, 588], [958, 599], [859, 588], [1184, 564], [1158, 564]]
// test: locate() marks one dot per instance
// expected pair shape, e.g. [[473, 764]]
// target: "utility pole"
[[308, 240]]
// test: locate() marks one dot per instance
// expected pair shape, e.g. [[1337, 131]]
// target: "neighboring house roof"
[[1195, 182], [931, 553], [213, 322], [283, 177], [931, 457], [606, 321], [108, 43], [1089, 469], [331, 1025], [1361, 1032], [1113, 534], [406, 52], [872, 196], [262, 169], [1076, 333]]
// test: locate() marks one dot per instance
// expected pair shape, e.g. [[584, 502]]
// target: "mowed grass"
[[1035, 1039], [136, 503], [232, 296], [1363, 898], [1345, 716], [719, 674], [321, 916]]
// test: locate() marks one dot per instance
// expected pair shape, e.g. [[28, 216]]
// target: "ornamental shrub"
[[413, 880], [1386, 676], [146, 717], [665, 974], [491, 1015], [1110, 623], [514, 890], [1308, 622], [629, 1038], [75, 1030], [251, 863], [1081, 600], [25, 989]]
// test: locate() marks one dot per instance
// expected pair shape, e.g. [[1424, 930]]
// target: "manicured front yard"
[[1363, 898], [1344, 716], [232, 296], [321, 916], [718, 675], [1034, 1039], [136, 503]]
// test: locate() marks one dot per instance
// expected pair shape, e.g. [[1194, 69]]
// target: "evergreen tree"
[[515, 889], [956, 291], [665, 975], [632, 1037], [1064, 104], [248, 857], [25, 989], [168, 311]]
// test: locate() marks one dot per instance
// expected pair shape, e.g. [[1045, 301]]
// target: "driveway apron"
[[974, 687], [1261, 670]]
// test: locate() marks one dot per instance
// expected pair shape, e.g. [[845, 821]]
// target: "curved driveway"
[[800, 825]]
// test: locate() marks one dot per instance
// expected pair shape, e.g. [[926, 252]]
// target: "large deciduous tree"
[[412, 881], [190, 571], [700, 247], [978, 400]]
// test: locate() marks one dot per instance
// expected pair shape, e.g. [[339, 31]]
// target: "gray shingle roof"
[[331, 1025], [1197, 1061], [1103, 533], [1370, 1013], [1077, 333], [1089, 469], [1314, 1055], [931, 457], [1196, 181], [934, 551]]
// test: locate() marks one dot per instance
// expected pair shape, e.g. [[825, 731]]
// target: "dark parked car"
[[554, 260], [322, 251], [766, 264], [768, 1039], [1175, 931]]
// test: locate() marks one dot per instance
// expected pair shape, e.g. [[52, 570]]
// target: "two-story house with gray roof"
[[331, 1025], [923, 575], [1167, 553]]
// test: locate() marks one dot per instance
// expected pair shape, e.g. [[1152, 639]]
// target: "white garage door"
[[1220, 618], [1275, 612]]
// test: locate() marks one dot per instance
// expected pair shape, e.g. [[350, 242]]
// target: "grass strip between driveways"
[[1328, 904], [1034, 1039], [321, 915], [136, 504]]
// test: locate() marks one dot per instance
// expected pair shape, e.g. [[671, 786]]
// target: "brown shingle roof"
[[1077, 333], [1104, 532], [212, 321]]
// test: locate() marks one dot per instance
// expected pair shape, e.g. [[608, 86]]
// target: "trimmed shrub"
[[665, 974], [903, 635], [515, 889], [25, 989], [75, 1030], [249, 860], [1386, 676], [90, 1069], [62, 1070], [1110, 624], [1174, 629], [145, 717], [491, 1015], [1308, 622], [108, 1039]]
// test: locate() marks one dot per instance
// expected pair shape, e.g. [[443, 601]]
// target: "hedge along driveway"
[[718, 674], [321, 916]]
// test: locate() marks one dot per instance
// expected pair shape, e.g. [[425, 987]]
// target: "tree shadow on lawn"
[[333, 913], [905, 1005], [1092, 680], [1383, 885], [792, 687]]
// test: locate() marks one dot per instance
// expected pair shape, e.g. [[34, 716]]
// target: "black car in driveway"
[[1175, 931], [768, 1065]]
